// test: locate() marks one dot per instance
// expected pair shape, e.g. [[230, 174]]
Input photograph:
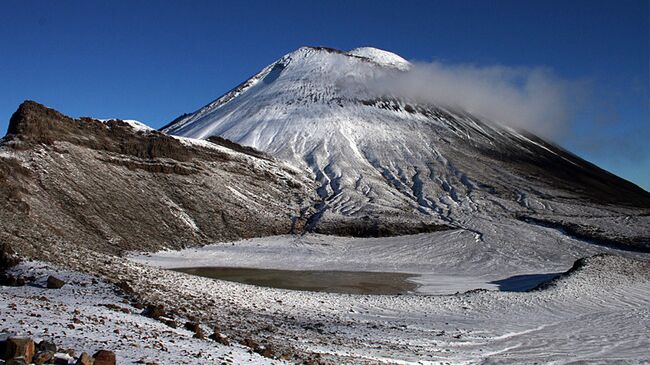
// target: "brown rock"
[[8, 257], [42, 357], [248, 342], [54, 283], [104, 357], [196, 328], [7, 280], [10, 280], [218, 337], [19, 347], [154, 311], [84, 359]]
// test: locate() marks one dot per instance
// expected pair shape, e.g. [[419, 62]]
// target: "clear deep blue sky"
[[154, 60]]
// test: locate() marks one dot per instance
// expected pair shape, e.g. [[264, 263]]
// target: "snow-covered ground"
[[598, 314], [88, 315], [446, 262]]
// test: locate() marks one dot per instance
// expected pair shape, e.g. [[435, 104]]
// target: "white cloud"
[[533, 99]]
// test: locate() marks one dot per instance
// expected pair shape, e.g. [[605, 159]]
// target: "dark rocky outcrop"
[[154, 311], [35, 123], [108, 187], [239, 148], [594, 234], [374, 227], [46, 346]]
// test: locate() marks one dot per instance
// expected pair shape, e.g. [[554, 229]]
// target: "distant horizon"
[[129, 60]]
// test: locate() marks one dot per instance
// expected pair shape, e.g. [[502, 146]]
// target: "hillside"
[[111, 187]]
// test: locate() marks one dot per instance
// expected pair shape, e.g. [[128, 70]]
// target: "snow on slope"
[[381, 57], [135, 124], [304, 109], [382, 156], [138, 126]]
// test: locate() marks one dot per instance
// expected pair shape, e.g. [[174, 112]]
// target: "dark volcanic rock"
[[196, 328], [218, 337], [239, 148], [373, 227], [35, 123], [46, 346], [154, 311], [54, 282], [8, 257]]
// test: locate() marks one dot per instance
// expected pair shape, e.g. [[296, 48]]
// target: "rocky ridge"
[[112, 188]]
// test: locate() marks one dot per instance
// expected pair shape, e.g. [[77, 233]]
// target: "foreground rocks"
[[18, 350], [54, 282], [18, 347], [8, 257], [104, 357]]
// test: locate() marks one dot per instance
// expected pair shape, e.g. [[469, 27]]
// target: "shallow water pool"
[[347, 282]]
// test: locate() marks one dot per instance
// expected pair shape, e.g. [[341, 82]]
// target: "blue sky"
[[154, 60]]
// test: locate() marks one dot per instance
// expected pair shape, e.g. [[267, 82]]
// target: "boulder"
[[42, 357], [54, 282], [19, 347], [84, 359], [8, 257], [196, 328], [218, 337], [154, 311], [7, 280], [104, 357], [46, 346]]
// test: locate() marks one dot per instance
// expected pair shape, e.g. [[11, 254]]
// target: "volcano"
[[385, 164]]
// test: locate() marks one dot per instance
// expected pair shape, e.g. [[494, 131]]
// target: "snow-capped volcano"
[[379, 155]]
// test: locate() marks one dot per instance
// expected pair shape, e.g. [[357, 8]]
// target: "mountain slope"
[[114, 186], [382, 158]]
